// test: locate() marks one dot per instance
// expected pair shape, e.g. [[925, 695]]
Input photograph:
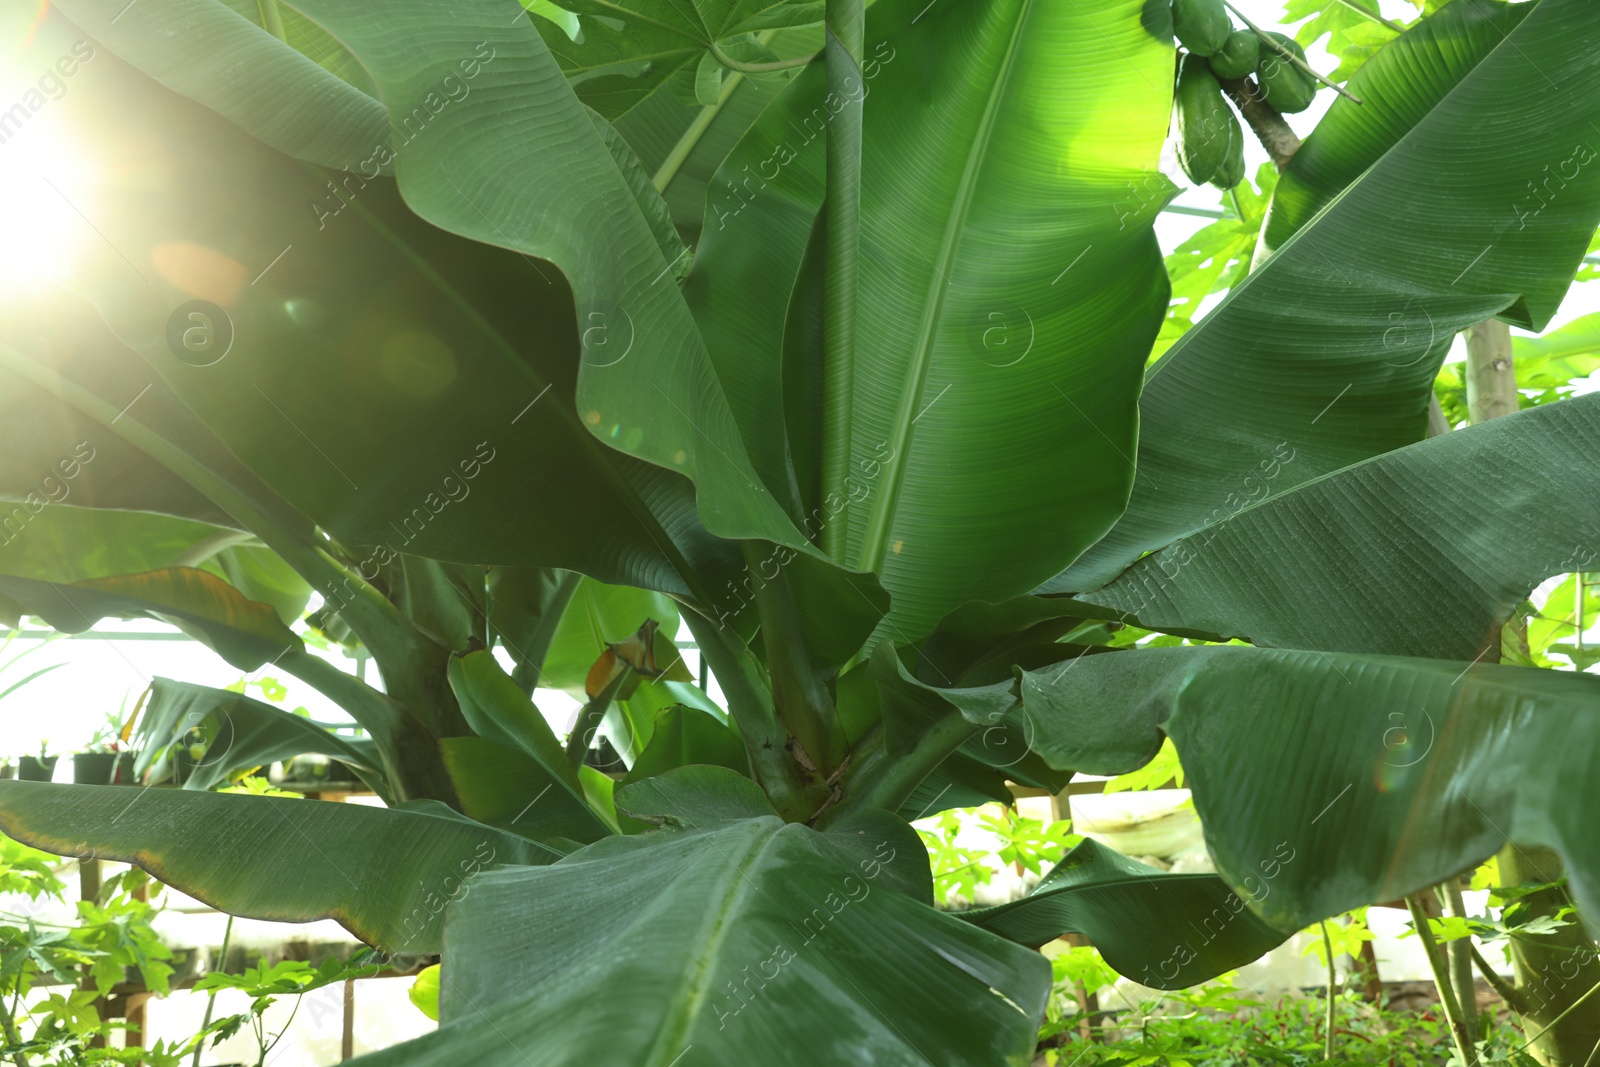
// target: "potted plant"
[[106, 760], [40, 768], [317, 769]]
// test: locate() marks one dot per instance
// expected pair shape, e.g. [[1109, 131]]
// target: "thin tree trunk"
[[1491, 371], [1371, 980], [1266, 122], [1462, 974], [1552, 970]]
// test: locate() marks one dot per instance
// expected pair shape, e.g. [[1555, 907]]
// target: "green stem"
[[800, 693], [211, 997], [381, 717], [1460, 956], [536, 644], [843, 47], [879, 778], [408, 747], [1333, 978], [298, 998], [1288, 55], [1441, 980], [691, 137], [1233, 195], [1503, 989], [202, 550], [751, 707], [1578, 622], [757, 68], [8, 1020]]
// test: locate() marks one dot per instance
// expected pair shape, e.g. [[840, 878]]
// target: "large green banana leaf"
[[246, 633], [58, 333], [42, 438], [746, 940], [432, 432], [63, 543], [1424, 551], [517, 162], [501, 714], [502, 786], [523, 607], [1009, 287], [1401, 85], [1326, 780], [386, 875], [262, 575], [682, 737], [238, 733], [245, 74], [1164, 930], [263, 84], [1328, 350]]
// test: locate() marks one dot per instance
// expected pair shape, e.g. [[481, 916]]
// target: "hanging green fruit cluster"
[[1210, 140]]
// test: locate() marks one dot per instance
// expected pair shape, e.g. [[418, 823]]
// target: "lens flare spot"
[[304, 312], [201, 272]]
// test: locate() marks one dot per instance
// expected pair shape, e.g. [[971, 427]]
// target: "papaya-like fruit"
[[1203, 118], [1285, 86], [1201, 25], [1231, 172], [1238, 57]]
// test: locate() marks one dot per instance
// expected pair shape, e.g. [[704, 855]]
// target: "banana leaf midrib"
[[875, 542]]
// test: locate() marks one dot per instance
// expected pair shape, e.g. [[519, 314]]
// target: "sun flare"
[[43, 185]]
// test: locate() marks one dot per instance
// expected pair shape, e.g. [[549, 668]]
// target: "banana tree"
[[834, 343]]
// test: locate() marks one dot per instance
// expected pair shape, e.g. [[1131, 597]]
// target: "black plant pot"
[[103, 768], [316, 769], [34, 769], [342, 774], [605, 758]]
